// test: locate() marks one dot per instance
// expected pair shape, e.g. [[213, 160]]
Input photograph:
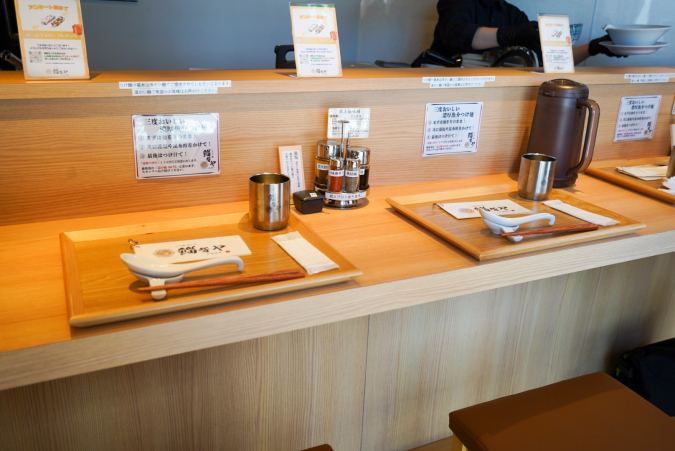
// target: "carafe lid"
[[561, 87]]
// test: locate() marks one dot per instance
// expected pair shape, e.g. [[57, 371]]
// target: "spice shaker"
[[336, 173], [325, 150], [363, 155], [351, 175]]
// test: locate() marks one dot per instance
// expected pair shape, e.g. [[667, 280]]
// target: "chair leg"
[[456, 445]]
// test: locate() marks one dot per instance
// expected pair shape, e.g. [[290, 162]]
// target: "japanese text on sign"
[[556, 43], [290, 161], [196, 249], [637, 118], [176, 145], [315, 40], [169, 88], [359, 122], [649, 78], [52, 39], [458, 82], [451, 128]]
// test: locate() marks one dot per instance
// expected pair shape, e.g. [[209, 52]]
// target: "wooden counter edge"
[[83, 355], [271, 81]]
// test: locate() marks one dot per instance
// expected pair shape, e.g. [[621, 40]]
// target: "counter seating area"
[[376, 363]]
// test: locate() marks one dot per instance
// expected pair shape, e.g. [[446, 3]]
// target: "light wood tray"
[[100, 289], [606, 170], [473, 236]]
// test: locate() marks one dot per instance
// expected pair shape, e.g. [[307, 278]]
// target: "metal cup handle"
[[589, 140]]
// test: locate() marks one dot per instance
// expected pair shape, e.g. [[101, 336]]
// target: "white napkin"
[[581, 214], [669, 185], [645, 172], [303, 252]]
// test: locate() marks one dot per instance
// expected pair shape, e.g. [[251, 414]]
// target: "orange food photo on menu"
[[333, 35], [77, 29]]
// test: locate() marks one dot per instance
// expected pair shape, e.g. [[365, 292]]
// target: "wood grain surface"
[[606, 170], [403, 265], [101, 289], [286, 392], [77, 157], [387, 381], [472, 235], [428, 360]]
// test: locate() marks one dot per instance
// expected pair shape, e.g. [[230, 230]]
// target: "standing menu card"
[[315, 40], [556, 43], [52, 39]]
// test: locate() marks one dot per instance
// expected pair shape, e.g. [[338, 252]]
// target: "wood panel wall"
[[384, 382], [73, 157]]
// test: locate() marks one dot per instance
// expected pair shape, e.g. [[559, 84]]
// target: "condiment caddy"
[[342, 171]]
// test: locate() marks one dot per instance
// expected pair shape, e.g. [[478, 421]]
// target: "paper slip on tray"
[[473, 236], [100, 289], [606, 170]]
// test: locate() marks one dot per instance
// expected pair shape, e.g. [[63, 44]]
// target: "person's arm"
[[580, 53], [593, 48], [485, 38]]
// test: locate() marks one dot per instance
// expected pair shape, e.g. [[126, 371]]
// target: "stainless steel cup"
[[535, 179], [269, 201]]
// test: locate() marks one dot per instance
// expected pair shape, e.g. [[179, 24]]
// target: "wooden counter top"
[[268, 81], [403, 265]]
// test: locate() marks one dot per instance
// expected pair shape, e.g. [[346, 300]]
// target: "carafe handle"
[[589, 140]]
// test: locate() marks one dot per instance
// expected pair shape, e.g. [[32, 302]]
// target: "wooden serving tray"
[[473, 236], [606, 170], [100, 289]]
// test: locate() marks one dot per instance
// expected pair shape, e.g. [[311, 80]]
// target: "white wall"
[[399, 30], [180, 34], [228, 34]]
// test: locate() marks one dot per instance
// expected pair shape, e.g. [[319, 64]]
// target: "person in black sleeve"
[[473, 26]]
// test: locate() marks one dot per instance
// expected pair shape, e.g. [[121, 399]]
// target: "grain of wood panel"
[[77, 160], [106, 84], [419, 267], [287, 392], [428, 360]]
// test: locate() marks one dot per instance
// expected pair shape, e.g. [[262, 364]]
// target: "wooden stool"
[[592, 412]]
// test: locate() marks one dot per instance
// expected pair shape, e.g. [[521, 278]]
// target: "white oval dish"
[[632, 50]]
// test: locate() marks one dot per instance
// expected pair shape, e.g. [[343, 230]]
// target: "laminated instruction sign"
[[556, 43], [359, 122], [451, 128], [52, 39], [176, 145], [315, 40], [637, 118]]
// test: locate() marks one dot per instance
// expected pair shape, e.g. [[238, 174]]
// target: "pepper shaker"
[[351, 175], [363, 155]]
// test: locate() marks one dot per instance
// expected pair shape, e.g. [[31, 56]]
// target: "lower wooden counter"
[[403, 265]]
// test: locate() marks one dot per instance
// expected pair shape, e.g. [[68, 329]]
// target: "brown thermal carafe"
[[558, 128]]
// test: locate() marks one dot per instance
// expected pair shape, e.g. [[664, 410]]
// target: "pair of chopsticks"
[[276, 276], [561, 229]]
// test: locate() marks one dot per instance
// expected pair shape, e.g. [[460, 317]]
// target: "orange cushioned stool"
[[592, 412]]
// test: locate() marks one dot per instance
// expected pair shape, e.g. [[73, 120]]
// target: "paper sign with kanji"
[[315, 40], [556, 44], [52, 39]]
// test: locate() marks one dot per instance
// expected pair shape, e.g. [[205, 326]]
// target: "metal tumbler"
[[269, 201], [535, 179]]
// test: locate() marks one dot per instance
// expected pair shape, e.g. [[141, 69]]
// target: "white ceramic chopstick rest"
[[497, 229], [157, 273], [500, 224]]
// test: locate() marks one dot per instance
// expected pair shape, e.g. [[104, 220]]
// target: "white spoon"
[[497, 229], [153, 269], [507, 222]]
